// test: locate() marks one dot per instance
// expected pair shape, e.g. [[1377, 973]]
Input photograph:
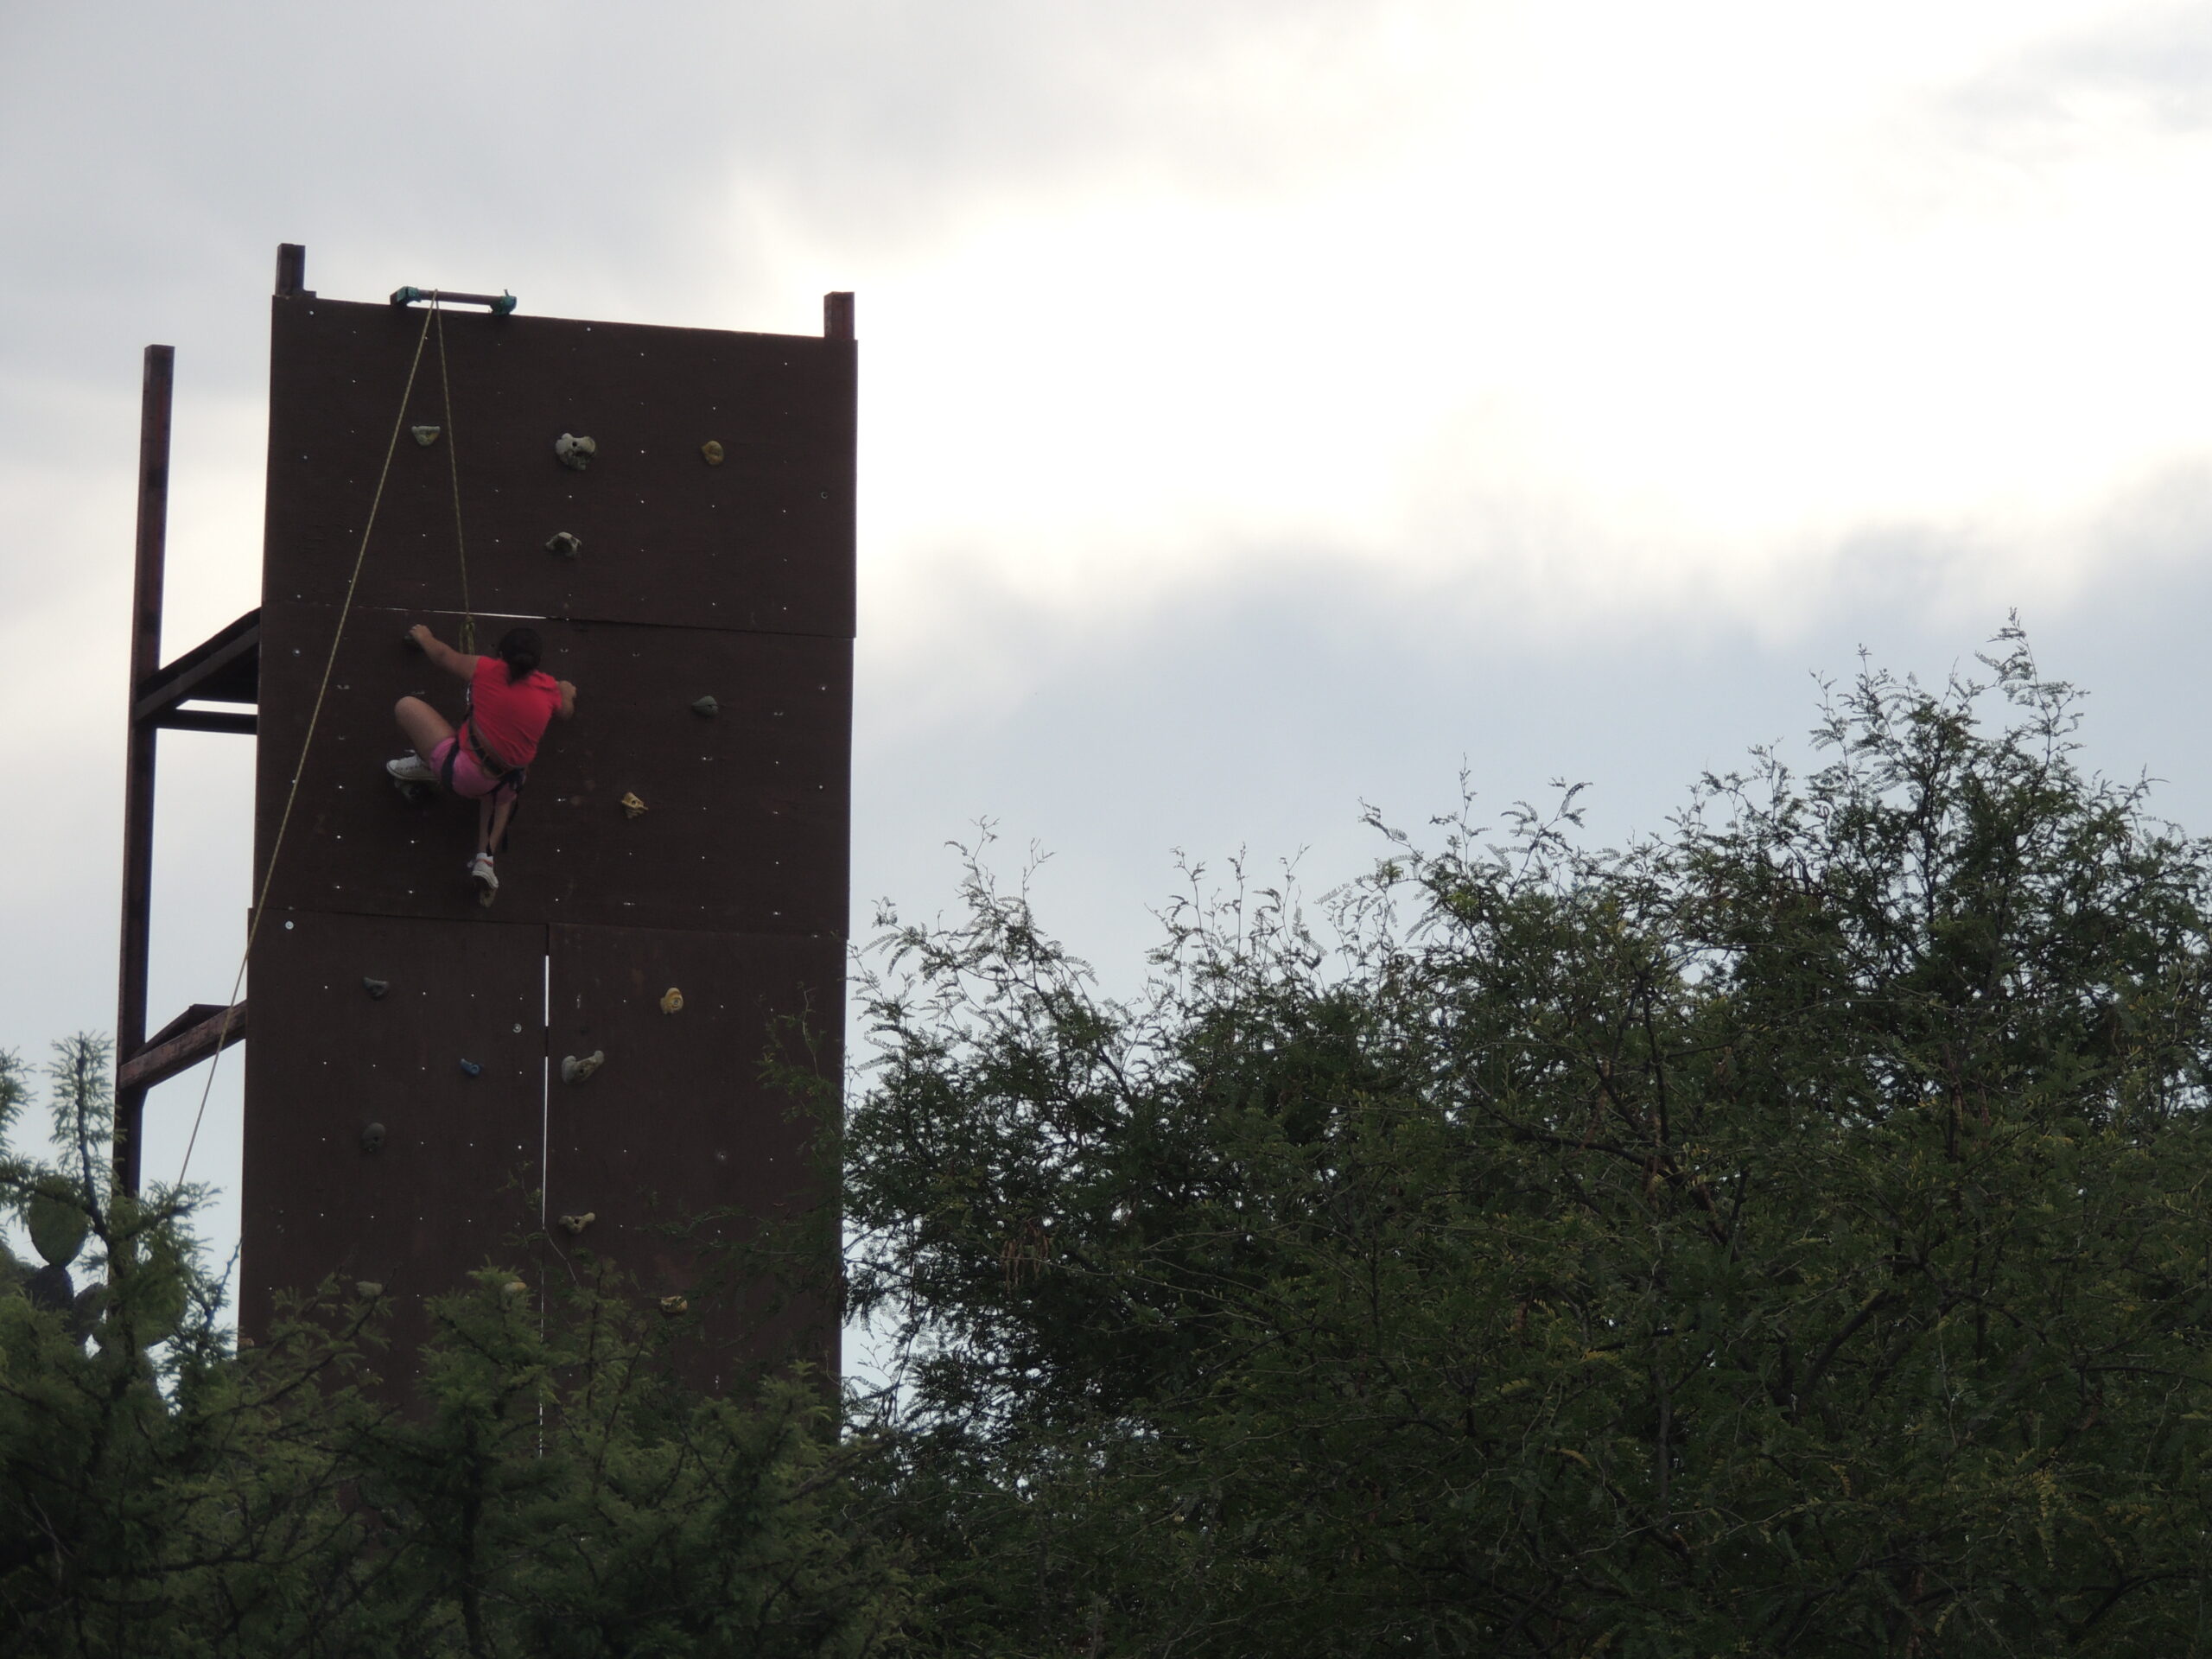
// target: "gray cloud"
[[2153, 62]]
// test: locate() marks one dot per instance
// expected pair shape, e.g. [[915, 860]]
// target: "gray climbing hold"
[[566, 545], [575, 453], [573, 1225], [707, 706], [470, 1069], [372, 1136], [425, 435], [376, 987], [575, 1070], [367, 1290]]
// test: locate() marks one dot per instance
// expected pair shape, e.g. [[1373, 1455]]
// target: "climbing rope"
[[452, 456], [315, 717]]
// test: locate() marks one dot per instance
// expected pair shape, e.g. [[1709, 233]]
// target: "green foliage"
[[57, 1219], [1792, 1234], [546, 1486]]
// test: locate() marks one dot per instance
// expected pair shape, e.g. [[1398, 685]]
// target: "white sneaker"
[[486, 878], [410, 769]]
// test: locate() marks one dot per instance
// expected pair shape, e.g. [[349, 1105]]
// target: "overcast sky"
[[1265, 407]]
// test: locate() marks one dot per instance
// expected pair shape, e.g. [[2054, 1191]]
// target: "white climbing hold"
[[575, 453]]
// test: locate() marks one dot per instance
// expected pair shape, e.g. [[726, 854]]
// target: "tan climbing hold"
[[712, 451], [672, 1306], [573, 1070], [671, 1001], [516, 1287], [573, 1225], [632, 805]]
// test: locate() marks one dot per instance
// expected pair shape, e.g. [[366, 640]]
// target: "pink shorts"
[[469, 780]]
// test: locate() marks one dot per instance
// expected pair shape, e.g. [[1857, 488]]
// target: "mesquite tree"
[[549, 1488], [1791, 1234]]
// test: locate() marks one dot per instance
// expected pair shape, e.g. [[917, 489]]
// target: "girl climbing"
[[510, 701]]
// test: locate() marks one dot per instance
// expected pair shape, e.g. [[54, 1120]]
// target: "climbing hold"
[[575, 453], [573, 1225], [425, 435], [367, 1290], [376, 988], [411, 642], [672, 1306], [566, 545], [470, 1069], [516, 1287], [485, 896], [575, 1070], [372, 1136], [713, 451], [632, 804], [707, 707], [671, 1001]]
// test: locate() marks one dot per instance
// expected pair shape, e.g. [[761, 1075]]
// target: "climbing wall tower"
[[404, 1109]]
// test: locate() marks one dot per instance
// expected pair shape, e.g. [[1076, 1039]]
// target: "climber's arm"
[[460, 667]]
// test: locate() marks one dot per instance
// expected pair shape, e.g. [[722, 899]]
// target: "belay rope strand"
[[453, 458], [315, 717]]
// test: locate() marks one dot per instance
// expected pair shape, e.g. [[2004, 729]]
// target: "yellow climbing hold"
[[713, 452], [671, 1001], [632, 804], [672, 1306]]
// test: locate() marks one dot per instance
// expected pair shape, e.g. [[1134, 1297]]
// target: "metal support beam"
[[236, 724], [292, 272], [160, 377], [224, 669], [169, 1054]]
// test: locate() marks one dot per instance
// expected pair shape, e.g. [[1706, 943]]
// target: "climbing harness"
[[433, 320], [504, 780]]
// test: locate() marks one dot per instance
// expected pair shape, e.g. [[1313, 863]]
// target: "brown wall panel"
[[733, 580], [451, 1183], [747, 821], [679, 1121], [763, 542]]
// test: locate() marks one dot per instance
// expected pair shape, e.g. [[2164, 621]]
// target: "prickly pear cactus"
[[58, 1221]]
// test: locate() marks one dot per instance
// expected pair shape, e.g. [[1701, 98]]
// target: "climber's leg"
[[425, 727]]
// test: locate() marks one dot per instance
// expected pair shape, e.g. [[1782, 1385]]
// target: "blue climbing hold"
[[469, 1068]]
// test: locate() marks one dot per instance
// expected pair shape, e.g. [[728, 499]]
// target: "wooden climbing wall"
[[732, 580]]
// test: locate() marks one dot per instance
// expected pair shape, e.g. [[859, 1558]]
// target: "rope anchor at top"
[[501, 304]]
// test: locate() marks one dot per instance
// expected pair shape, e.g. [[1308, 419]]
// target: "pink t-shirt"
[[510, 718]]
